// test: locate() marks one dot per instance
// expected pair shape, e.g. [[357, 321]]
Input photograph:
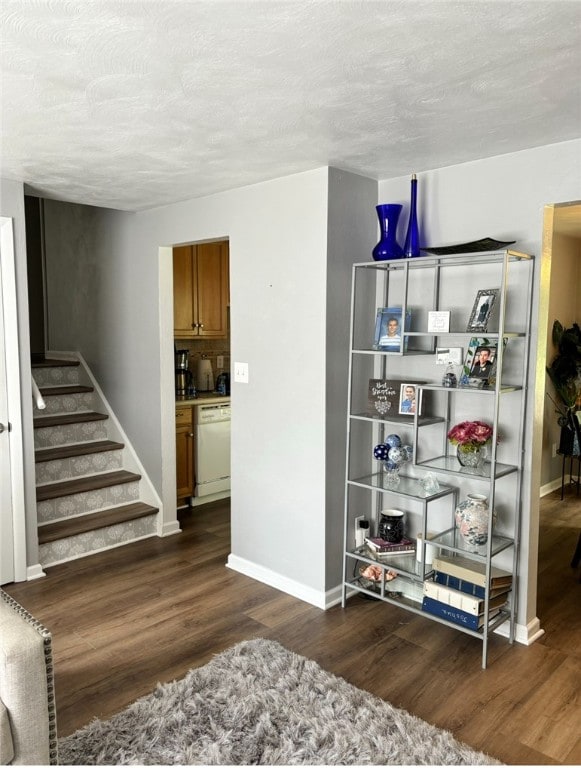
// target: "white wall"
[[502, 197]]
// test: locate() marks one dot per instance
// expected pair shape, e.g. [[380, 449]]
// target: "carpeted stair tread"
[[68, 418], [49, 362], [70, 389], [64, 528], [76, 449], [84, 484]]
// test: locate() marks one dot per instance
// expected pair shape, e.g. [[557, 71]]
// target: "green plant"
[[565, 370]]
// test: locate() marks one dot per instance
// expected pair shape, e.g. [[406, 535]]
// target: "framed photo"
[[409, 402], [479, 368], [482, 308], [388, 328]]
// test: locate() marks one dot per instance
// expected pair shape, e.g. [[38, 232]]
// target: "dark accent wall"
[[34, 259]]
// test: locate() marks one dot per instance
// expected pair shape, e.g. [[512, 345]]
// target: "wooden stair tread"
[[68, 418], [84, 484], [76, 449], [67, 389], [92, 522], [51, 362]]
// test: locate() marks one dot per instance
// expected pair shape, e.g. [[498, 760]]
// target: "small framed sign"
[[383, 397], [438, 322], [482, 308]]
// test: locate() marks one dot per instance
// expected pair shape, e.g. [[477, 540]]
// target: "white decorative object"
[[438, 322]]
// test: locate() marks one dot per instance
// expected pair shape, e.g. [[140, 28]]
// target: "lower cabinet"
[[184, 454]]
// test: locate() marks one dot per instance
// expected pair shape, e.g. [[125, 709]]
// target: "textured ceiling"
[[137, 104]]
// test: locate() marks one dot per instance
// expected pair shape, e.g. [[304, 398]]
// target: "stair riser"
[[79, 401], [55, 377], [85, 544], [78, 466], [88, 501], [50, 437]]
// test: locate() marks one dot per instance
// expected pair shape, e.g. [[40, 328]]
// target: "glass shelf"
[[453, 541], [406, 565], [429, 261], [407, 486], [451, 464], [423, 421], [473, 390]]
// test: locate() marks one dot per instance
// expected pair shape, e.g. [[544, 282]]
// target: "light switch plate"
[[241, 373]]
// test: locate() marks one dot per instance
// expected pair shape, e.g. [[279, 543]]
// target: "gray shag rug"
[[260, 704]]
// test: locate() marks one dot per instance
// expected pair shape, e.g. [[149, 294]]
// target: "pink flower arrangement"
[[472, 433]]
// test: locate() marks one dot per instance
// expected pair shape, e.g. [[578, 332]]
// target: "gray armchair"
[[27, 701]]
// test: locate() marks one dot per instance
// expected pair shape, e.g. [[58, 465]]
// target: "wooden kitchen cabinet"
[[200, 283], [184, 454]]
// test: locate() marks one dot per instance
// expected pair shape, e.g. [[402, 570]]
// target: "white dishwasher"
[[212, 448]]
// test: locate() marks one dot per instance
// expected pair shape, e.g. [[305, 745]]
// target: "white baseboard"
[[525, 634], [169, 528], [553, 486], [273, 579], [34, 572]]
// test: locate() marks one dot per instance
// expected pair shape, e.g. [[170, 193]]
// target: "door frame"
[[9, 347]]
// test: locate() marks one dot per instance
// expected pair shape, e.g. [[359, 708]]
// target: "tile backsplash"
[[212, 348]]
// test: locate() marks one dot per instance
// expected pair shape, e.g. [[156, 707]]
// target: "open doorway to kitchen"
[[201, 369]]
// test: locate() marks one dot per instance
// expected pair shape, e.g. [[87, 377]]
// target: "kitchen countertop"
[[203, 398]]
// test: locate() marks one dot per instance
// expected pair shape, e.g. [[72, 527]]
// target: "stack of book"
[[382, 550], [458, 590]]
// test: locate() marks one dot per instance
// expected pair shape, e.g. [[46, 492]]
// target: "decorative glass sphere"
[[381, 452], [393, 441], [409, 449], [390, 464], [397, 455]]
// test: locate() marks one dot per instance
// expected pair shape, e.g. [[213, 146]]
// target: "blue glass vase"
[[387, 247], [412, 239]]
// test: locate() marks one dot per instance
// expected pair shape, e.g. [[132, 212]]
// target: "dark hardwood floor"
[[125, 619]]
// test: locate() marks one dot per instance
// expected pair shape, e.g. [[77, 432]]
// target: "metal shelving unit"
[[418, 285]]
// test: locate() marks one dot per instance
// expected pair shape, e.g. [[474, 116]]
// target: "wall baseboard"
[[273, 579], [34, 572], [553, 485], [525, 634]]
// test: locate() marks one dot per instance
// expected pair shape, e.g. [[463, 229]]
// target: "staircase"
[[90, 493]]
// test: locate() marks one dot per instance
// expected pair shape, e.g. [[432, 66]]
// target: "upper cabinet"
[[200, 284]]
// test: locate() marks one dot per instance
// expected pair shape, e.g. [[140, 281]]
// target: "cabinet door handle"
[[191, 434], [201, 325]]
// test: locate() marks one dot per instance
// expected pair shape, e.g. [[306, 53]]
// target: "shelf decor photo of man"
[[483, 364], [391, 332]]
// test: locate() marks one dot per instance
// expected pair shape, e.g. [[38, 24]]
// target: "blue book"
[[455, 615], [447, 580]]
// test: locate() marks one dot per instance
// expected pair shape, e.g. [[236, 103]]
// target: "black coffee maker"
[[183, 376]]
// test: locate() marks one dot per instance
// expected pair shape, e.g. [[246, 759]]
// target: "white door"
[[6, 527], [12, 524]]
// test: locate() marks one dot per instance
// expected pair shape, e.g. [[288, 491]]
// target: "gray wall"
[[352, 233]]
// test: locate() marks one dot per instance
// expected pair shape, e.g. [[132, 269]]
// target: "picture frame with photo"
[[388, 329], [482, 309], [409, 402], [479, 367]]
